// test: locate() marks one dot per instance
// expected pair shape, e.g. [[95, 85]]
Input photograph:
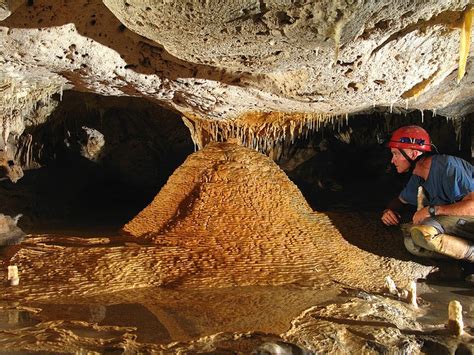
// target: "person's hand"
[[420, 215], [390, 217]]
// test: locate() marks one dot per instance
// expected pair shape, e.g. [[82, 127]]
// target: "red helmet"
[[410, 137]]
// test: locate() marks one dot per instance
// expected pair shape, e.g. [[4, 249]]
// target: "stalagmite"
[[412, 294], [390, 285], [420, 198], [219, 197], [228, 216], [455, 321], [13, 275]]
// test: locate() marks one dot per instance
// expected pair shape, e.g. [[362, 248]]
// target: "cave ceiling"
[[222, 60]]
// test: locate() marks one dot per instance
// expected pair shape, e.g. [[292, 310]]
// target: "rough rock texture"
[[227, 217], [371, 324], [9, 169], [242, 219], [7, 7], [10, 233], [222, 61]]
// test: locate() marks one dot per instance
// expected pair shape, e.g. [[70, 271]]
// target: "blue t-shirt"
[[449, 180]]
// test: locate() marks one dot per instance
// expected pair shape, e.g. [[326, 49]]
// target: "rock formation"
[[10, 233], [209, 61], [227, 217], [255, 73], [9, 169]]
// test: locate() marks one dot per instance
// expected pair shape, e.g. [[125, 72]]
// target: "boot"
[[429, 238]]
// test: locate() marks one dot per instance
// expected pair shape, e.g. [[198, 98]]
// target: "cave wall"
[[95, 160]]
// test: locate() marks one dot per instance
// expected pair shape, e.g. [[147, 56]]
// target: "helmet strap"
[[410, 160]]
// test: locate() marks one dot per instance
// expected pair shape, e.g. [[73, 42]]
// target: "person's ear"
[[417, 153], [412, 153]]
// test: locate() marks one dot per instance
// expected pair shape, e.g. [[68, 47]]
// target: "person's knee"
[[422, 235], [430, 238]]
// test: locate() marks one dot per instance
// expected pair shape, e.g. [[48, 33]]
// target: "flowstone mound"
[[227, 217], [242, 221]]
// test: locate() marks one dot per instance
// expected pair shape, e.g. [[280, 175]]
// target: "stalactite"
[[264, 132], [457, 125], [18, 99], [465, 42]]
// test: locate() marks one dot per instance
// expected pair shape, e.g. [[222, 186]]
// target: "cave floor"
[[167, 319], [242, 319]]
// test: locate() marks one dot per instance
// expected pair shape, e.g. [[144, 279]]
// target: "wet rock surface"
[[10, 233], [250, 240], [212, 225], [237, 320], [240, 218]]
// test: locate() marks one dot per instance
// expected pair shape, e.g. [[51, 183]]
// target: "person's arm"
[[391, 215], [465, 207]]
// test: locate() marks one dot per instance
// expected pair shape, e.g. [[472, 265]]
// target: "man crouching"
[[446, 225]]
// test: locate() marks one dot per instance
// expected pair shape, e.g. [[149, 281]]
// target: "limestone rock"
[[7, 7], [9, 169], [92, 143], [369, 323], [227, 217], [222, 61], [10, 233], [249, 223]]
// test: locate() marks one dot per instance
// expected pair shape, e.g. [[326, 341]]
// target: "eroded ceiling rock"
[[7, 7], [222, 61]]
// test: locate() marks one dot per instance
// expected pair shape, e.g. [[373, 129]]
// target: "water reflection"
[[161, 316], [15, 318], [439, 294]]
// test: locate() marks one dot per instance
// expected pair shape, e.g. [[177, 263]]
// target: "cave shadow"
[[144, 144], [78, 197], [365, 231]]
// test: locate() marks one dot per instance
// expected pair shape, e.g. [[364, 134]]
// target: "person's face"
[[401, 164]]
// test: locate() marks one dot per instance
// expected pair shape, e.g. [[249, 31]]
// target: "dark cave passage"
[[82, 185]]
